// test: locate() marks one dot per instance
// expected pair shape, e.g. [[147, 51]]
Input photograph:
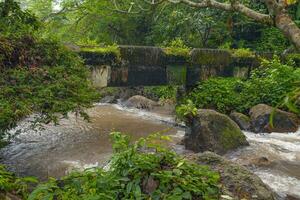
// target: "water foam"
[[280, 183]]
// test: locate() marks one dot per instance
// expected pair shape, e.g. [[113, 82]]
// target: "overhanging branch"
[[235, 6]]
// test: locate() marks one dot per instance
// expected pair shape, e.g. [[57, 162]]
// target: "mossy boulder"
[[141, 102], [213, 131], [237, 181], [242, 120], [266, 119]]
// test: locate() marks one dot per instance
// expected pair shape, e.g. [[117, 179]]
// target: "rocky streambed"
[[76, 144]]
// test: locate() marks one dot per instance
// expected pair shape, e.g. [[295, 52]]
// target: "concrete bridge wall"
[[152, 66]]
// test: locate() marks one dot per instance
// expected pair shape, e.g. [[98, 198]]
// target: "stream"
[[75, 144]]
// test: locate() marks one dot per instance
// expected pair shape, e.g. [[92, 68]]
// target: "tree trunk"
[[284, 23]]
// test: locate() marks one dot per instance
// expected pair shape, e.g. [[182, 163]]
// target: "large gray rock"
[[237, 181], [282, 121], [213, 131], [140, 102], [242, 120]]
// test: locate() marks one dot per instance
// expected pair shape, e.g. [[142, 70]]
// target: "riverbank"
[[76, 144]]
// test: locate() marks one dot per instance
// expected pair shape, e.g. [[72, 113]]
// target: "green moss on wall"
[[210, 57], [108, 50], [142, 56], [242, 53]]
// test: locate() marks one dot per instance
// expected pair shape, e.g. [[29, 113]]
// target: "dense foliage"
[[9, 183], [96, 22], [267, 84], [56, 88], [37, 75], [140, 170]]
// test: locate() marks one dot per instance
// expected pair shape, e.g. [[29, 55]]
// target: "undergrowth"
[[140, 170], [268, 84]]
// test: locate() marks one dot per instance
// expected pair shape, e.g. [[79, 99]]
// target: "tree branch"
[[235, 6]]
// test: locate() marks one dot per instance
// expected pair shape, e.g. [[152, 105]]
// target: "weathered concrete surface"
[[150, 66]]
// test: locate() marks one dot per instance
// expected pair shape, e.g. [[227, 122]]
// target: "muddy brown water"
[[76, 145]]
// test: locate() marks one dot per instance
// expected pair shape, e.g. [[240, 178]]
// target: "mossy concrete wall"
[[150, 66]]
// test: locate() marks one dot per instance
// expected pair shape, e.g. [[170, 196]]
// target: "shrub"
[[221, 94], [42, 77], [9, 183], [142, 170], [177, 48], [163, 93], [16, 22], [186, 111], [242, 53], [268, 84]]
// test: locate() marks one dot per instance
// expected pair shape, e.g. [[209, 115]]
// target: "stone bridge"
[[153, 66]]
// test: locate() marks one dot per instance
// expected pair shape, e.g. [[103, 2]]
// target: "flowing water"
[[275, 158], [76, 144]]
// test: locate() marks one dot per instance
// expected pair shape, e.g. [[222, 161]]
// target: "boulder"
[[282, 121], [140, 102], [238, 182], [242, 120], [213, 131], [109, 99]]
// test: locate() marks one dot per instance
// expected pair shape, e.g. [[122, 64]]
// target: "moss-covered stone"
[[237, 181], [242, 53], [210, 57], [213, 131], [242, 120], [142, 56], [177, 55], [266, 119], [109, 55]]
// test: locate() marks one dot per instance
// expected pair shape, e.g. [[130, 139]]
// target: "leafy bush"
[[267, 84], [14, 21], [162, 92], [271, 39], [38, 76], [221, 94], [142, 170], [242, 53], [186, 111], [9, 183], [177, 48]]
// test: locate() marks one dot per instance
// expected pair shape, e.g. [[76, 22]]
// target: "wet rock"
[[290, 197], [141, 102], [213, 131], [237, 181], [127, 92], [109, 99], [260, 162], [282, 121], [242, 120]]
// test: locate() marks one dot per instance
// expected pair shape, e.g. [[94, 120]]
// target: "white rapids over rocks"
[[282, 150]]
